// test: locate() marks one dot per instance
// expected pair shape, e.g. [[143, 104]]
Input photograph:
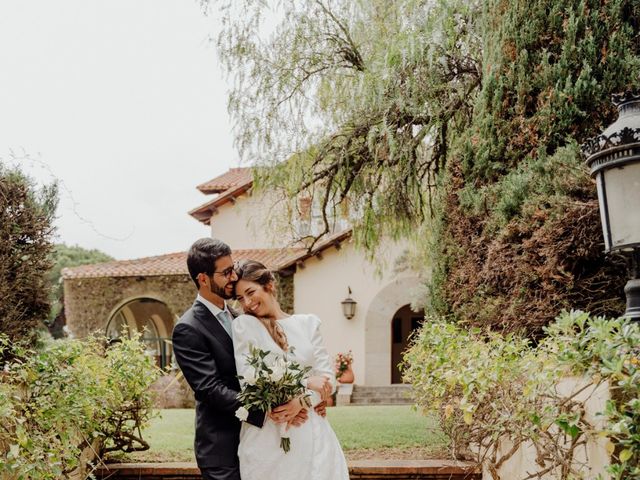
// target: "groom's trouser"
[[220, 473]]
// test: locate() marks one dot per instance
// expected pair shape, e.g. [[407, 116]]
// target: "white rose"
[[250, 377], [242, 414], [277, 373]]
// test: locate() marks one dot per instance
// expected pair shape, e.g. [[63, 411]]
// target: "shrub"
[[487, 387], [56, 401]]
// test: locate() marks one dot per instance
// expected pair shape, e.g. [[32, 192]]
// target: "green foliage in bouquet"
[[274, 381], [69, 396]]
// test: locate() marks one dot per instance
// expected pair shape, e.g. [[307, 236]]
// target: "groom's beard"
[[220, 291]]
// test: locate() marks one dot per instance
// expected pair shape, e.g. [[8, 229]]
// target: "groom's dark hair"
[[202, 257]]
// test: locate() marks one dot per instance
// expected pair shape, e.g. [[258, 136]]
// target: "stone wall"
[[285, 292], [89, 302]]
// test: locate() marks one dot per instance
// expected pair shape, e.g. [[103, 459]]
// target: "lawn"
[[364, 432]]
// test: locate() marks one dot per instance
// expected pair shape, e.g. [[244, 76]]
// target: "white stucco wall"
[[591, 458], [320, 288], [248, 223]]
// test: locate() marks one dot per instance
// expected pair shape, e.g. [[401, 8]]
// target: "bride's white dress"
[[315, 451]]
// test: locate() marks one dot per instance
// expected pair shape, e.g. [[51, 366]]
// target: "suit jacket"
[[204, 352]]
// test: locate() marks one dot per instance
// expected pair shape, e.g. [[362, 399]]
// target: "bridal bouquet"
[[271, 380]]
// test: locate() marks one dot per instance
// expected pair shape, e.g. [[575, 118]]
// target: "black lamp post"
[[614, 160]]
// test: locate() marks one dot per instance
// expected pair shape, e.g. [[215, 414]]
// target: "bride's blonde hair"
[[254, 271]]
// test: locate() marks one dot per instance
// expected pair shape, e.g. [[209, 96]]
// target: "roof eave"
[[209, 190], [204, 212], [332, 241]]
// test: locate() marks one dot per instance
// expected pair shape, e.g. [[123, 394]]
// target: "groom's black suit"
[[204, 352]]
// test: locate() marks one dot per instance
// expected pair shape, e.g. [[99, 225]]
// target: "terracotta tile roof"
[[235, 177], [176, 264]]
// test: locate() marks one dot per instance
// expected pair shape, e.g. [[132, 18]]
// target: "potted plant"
[[344, 373]]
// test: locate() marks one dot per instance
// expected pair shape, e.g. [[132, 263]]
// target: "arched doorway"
[[405, 321], [378, 342], [150, 317]]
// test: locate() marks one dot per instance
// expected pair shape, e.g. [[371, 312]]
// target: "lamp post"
[[349, 306], [614, 160]]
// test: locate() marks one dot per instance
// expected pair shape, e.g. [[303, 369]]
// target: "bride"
[[315, 452]]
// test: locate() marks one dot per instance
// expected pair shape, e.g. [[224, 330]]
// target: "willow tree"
[[467, 114], [351, 100]]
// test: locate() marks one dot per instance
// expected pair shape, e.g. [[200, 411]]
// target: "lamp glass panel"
[[604, 221], [349, 308], [623, 202]]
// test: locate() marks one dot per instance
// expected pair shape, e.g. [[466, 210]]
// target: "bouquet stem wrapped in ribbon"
[[270, 380]]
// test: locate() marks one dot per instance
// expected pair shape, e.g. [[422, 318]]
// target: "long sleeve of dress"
[[244, 335], [321, 361], [242, 339]]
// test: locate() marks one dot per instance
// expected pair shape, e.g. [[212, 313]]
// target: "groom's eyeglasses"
[[227, 272]]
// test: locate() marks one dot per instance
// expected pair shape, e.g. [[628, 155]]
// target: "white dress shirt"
[[218, 313]]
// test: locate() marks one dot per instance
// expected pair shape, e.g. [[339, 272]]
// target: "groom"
[[204, 351], [203, 347]]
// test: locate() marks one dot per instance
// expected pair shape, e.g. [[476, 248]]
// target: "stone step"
[[380, 401], [382, 395], [383, 388], [373, 393]]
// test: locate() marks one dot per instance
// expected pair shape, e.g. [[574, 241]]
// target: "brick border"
[[358, 469]]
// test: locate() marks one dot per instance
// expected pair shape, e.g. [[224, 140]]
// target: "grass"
[[363, 431], [383, 427]]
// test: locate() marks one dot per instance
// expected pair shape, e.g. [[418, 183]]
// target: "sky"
[[123, 102]]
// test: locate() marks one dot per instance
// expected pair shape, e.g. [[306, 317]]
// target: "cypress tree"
[[26, 228], [520, 235]]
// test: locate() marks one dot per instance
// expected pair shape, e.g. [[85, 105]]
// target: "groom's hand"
[[321, 409], [287, 412], [300, 418], [320, 384]]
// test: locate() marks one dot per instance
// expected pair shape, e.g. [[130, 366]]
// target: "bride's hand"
[[287, 412], [320, 384]]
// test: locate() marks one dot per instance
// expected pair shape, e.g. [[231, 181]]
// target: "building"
[[153, 292]]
